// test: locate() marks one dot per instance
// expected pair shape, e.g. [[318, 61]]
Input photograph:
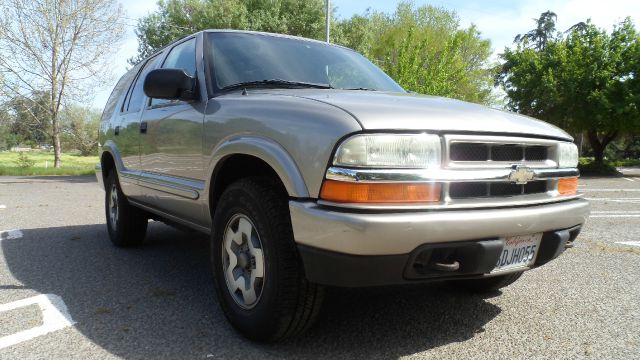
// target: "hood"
[[398, 111]]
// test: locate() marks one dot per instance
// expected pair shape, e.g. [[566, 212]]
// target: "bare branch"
[[55, 45]]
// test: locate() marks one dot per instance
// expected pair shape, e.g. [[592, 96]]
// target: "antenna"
[[328, 18]]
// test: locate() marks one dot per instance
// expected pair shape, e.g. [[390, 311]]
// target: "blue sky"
[[498, 21]]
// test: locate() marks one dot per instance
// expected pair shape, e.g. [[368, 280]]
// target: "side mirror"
[[170, 84]]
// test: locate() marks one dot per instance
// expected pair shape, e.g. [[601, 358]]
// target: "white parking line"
[[615, 216], [10, 234], [610, 190], [55, 316], [631, 243], [629, 179], [618, 200], [616, 212], [2, 207]]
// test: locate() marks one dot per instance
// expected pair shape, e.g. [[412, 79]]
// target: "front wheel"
[[127, 225], [258, 273]]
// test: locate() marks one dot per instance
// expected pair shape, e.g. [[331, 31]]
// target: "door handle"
[[143, 127]]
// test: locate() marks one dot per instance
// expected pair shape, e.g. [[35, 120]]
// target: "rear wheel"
[[258, 273], [127, 224], [488, 284]]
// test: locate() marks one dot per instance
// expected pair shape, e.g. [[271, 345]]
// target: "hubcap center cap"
[[243, 260]]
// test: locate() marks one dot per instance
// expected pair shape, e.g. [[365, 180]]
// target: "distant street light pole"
[[328, 18]]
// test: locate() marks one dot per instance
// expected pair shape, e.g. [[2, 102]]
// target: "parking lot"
[[66, 292]]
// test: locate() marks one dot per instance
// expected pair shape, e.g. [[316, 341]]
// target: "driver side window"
[[182, 56]]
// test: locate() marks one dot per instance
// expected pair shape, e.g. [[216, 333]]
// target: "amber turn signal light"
[[568, 186], [357, 192]]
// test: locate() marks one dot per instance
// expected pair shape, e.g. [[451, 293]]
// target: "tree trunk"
[[598, 146], [56, 143]]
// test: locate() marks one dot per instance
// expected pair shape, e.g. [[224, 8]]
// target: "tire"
[[490, 284], [253, 251], [127, 224]]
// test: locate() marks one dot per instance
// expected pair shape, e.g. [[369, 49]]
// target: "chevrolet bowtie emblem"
[[521, 174]]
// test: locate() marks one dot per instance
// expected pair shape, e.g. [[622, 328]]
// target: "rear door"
[[171, 143], [128, 130]]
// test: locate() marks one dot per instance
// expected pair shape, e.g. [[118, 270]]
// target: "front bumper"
[[372, 248]]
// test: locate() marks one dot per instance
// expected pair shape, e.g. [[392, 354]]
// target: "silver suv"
[[308, 166]]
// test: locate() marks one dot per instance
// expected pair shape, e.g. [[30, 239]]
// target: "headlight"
[[567, 155], [390, 151]]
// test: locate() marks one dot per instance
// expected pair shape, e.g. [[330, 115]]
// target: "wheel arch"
[[253, 156]]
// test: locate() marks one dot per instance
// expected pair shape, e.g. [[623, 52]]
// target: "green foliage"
[[24, 161], [11, 140], [30, 118], [583, 80], [177, 18], [589, 167], [80, 129], [424, 50]]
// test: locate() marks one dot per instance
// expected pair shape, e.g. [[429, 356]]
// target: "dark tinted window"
[[241, 57], [182, 56], [137, 94]]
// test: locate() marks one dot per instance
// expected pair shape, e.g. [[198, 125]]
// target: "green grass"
[[71, 164], [625, 162]]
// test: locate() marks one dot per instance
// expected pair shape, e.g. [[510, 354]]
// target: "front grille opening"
[[505, 189], [497, 152], [466, 190], [507, 153], [468, 152], [535, 153], [463, 190]]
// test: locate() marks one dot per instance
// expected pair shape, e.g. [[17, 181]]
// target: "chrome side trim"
[[186, 188], [439, 175]]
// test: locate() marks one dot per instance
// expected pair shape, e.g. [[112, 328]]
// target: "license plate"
[[519, 252]]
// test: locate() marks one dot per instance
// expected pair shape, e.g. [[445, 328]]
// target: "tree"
[[425, 50], [80, 129], [545, 30], [177, 18], [30, 117], [57, 46], [583, 81]]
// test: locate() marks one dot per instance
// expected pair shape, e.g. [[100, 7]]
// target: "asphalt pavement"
[[66, 292]]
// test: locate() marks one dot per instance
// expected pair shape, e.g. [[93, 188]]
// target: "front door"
[[171, 144]]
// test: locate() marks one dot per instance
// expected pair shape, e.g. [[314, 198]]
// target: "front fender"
[[268, 151]]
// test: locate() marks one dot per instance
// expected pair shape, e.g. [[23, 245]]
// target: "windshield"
[[241, 57]]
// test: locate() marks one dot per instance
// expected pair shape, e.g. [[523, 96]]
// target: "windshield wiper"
[[277, 83], [361, 88]]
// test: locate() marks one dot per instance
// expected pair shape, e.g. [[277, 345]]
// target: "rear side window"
[[116, 94], [136, 94], [182, 56]]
